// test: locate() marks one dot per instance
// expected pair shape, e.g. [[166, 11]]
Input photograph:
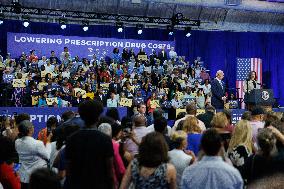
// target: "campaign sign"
[[84, 47], [39, 116]]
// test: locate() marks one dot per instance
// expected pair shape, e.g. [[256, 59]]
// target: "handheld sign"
[[51, 101], [19, 83], [125, 102]]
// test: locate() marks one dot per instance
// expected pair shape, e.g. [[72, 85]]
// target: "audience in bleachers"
[[140, 150], [66, 81]]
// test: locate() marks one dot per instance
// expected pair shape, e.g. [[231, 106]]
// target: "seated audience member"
[[77, 99], [176, 102], [8, 177], [211, 171], [266, 161], [44, 179], [89, 153], [156, 115], [190, 126], [112, 101], [257, 118], [118, 165], [160, 126], [151, 168], [135, 137], [241, 145], [42, 100], [191, 111], [207, 116], [179, 156], [33, 153]]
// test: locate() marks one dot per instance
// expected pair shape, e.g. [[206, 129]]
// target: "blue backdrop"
[[219, 50]]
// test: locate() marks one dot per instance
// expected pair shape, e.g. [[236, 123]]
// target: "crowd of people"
[[160, 79], [95, 150]]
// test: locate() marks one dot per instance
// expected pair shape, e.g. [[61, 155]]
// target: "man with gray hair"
[[218, 91], [139, 131]]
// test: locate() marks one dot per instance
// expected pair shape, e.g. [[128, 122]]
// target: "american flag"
[[244, 66]]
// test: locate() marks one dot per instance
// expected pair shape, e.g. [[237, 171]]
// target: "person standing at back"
[[211, 171], [218, 91], [89, 153]]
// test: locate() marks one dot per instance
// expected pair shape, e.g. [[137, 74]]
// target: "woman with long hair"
[[151, 168], [241, 145], [191, 127]]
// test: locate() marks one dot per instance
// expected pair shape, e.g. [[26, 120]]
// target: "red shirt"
[[8, 178]]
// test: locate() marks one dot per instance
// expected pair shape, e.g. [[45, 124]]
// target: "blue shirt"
[[211, 172], [193, 141]]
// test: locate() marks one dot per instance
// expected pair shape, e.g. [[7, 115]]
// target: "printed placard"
[[154, 104], [43, 73], [83, 92], [34, 100], [50, 101], [19, 83], [125, 102]]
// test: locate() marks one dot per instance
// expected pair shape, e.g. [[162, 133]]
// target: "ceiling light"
[[139, 28], [119, 26], [85, 25], [188, 31], [62, 22], [170, 29]]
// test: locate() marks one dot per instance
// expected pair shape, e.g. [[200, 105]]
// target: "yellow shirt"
[[91, 95]]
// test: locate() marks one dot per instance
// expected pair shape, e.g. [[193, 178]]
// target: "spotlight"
[[188, 31], [26, 20], [85, 25], [139, 28], [26, 24], [62, 22], [1, 18], [119, 26], [170, 29]]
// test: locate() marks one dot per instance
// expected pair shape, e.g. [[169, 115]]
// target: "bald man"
[[218, 91]]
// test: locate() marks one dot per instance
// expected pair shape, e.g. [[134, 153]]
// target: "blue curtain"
[[218, 49]]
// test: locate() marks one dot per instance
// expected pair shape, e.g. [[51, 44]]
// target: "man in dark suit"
[[163, 55], [218, 91]]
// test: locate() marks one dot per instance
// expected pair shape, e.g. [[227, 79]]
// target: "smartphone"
[[16, 167]]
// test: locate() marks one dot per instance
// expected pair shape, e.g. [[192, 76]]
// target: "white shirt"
[[180, 160], [32, 155], [112, 103], [206, 89], [172, 54], [176, 103], [200, 123], [66, 74], [49, 68], [152, 129]]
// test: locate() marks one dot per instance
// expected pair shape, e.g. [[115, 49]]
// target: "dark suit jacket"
[[103, 100], [161, 57], [217, 93]]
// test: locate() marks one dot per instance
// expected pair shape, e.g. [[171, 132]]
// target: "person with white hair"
[[218, 91], [119, 168]]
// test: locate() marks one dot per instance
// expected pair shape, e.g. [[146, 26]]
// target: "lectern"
[[260, 97]]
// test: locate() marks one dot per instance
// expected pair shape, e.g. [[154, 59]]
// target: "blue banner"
[[39, 116], [84, 47]]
